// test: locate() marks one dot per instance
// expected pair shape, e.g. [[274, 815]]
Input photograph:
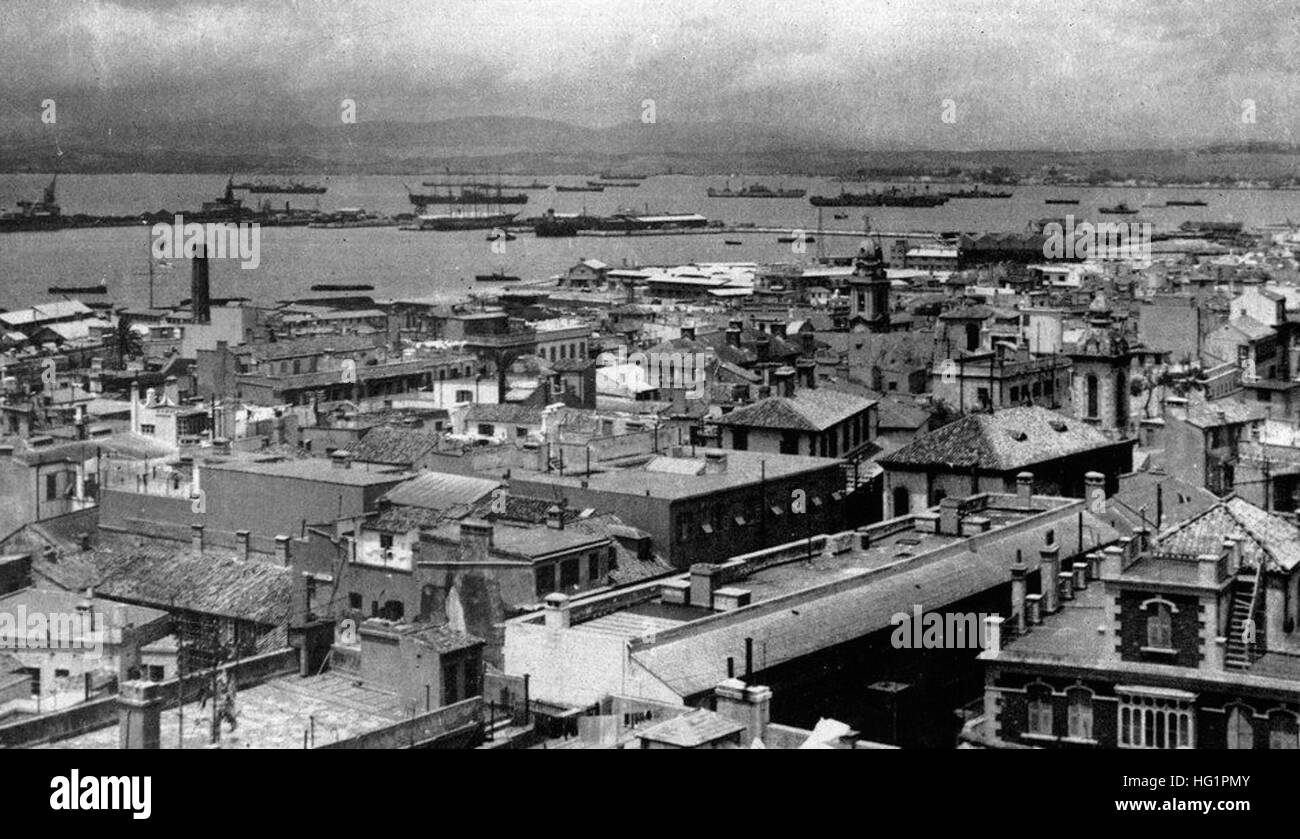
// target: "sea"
[[442, 265]]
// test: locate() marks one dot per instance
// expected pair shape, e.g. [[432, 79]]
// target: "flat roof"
[[743, 468], [310, 469]]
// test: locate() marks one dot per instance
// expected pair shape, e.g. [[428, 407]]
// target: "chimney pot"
[[242, 544], [557, 611], [1025, 489], [196, 538], [282, 549]]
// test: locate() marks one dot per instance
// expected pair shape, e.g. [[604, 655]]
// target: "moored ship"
[[291, 188], [34, 215], [756, 191], [892, 197], [977, 192], [458, 220]]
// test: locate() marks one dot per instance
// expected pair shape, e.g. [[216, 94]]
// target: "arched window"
[[902, 501], [1160, 626], [1283, 731], [1080, 713], [1241, 728], [1092, 396], [1040, 710]]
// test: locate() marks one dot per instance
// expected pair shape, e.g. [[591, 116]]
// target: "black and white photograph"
[[874, 375]]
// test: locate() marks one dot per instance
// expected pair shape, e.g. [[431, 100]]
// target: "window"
[[1040, 710], [1160, 625], [521, 432], [1241, 728], [1283, 731], [385, 540], [61, 673], [51, 487], [789, 442], [1092, 397], [464, 396], [471, 679], [545, 580], [450, 684], [146, 428], [569, 573], [593, 567], [1155, 722], [354, 601], [1080, 713], [740, 439], [156, 673], [486, 429]]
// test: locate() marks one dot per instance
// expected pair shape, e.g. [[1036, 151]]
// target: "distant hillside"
[[539, 146]]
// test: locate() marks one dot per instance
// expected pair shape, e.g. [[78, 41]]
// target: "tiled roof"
[[1268, 538], [440, 491], [165, 575], [272, 351], [807, 410], [694, 728], [516, 414], [1008, 439], [386, 444], [1205, 414]]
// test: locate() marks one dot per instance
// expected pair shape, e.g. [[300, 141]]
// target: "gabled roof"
[[694, 728], [807, 410], [1268, 539], [504, 412], [388, 444], [1008, 439]]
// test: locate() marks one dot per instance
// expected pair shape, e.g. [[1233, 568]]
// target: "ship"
[[342, 287], [504, 235], [756, 191], [588, 188], [34, 215], [349, 217], [225, 208], [102, 288], [292, 188], [785, 240], [615, 184], [497, 276], [1061, 201], [1120, 209], [892, 197], [614, 176], [977, 193], [469, 196], [460, 220], [1176, 202]]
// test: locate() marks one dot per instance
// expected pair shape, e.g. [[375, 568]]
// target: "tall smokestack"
[[200, 296]]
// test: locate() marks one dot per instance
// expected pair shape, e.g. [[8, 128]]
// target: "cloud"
[[1090, 74]]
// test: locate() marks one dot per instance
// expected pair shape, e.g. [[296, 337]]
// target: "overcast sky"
[[871, 73]]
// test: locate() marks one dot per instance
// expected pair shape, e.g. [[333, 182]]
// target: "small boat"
[[788, 239], [78, 289], [732, 242], [1175, 202], [588, 188], [498, 276], [618, 176], [841, 215], [342, 287], [504, 235], [623, 184], [1061, 201], [1120, 209]]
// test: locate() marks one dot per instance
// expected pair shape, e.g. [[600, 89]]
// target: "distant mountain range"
[[539, 146]]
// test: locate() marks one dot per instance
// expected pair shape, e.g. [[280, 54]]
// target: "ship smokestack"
[[200, 294]]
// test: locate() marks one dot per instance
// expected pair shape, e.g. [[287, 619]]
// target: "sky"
[[1010, 74]]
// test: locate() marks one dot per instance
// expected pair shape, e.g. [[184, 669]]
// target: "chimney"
[[950, 517], [341, 459], [1080, 576], [807, 372], [151, 397], [993, 634], [200, 290], [749, 705], [1065, 579], [1034, 609], [1176, 408], [1095, 490], [785, 380], [1049, 572], [763, 348], [241, 544], [196, 539], [702, 584], [557, 611], [555, 517], [475, 540], [1025, 489], [282, 550], [715, 463], [1019, 590], [733, 333]]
